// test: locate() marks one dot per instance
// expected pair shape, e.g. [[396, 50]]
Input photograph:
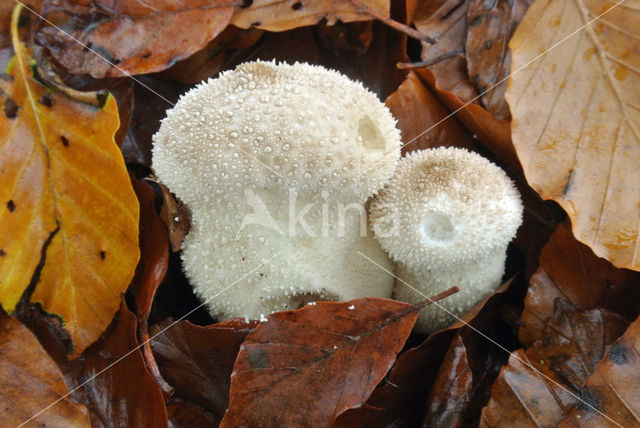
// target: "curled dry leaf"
[[30, 381], [133, 36], [569, 270], [125, 395], [403, 395], [451, 390], [613, 389], [491, 24], [154, 250], [176, 217], [306, 367], [446, 20], [540, 386], [198, 361], [186, 414], [576, 117], [278, 15], [69, 218], [417, 110]]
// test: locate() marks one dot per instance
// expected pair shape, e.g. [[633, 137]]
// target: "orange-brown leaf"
[[135, 36], [66, 202], [305, 367], [30, 381], [570, 271], [418, 110], [278, 15], [576, 118], [613, 388]]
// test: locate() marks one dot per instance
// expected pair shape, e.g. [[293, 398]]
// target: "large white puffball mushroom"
[[446, 217], [277, 126], [275, 163]]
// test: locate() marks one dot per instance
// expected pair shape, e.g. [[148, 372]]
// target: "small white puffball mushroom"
[[265, 157], [446, 217]]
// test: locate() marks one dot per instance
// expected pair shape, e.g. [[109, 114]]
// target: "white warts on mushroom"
[[278, 160], [446, 217]]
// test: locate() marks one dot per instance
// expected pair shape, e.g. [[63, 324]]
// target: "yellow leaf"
[[68, 213], [576, 117]]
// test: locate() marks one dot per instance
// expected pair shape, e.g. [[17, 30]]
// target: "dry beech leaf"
[[136, 36], [125, 395], [491, 25], [576, 118], [613, 388], [417, 109], [186, 414], [403, 396], [569, 270], [451, 390], [575, 341], [198, 361], [66, 202], [446, 20], [30, 381], [306, 367], [279, 15], [154, 249]]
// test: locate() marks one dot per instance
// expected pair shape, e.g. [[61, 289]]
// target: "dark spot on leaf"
[[2, 253], [103, 254], [488, 44], [146, 55], [567, 187], [589, 401], [11, 206], [246, 4], [116, 61], [257, 359], [65, 141], [255, 24], [23, 20], [10, 108], [476, 21], [45, 100], [452, 10], [618, 354], [297, 5]]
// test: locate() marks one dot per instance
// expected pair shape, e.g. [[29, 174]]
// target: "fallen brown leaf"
[[134, 36], [490, 26], [576, 123], [278, 15], [185, 414], [402, 398], [613, 388], [69, 222], [30, 381], [417, 109], [450, 393], [569, 270], [154, 250], [123, 394], [540, 386], [446, 20], [310, 365], [198, 361]]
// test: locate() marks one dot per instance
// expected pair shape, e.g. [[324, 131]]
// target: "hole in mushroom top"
[[372, 138], [437, 228]]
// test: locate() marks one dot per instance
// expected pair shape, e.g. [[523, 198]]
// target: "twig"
[[415, 34], [413, 65]]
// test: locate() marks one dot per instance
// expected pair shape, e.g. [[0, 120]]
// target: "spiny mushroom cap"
[[276, 126], [444, 207], [475, 280], [295, 270]]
